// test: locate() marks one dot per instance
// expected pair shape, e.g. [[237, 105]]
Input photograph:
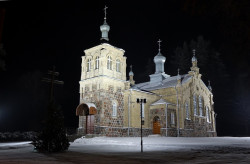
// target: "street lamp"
[[140, 101]]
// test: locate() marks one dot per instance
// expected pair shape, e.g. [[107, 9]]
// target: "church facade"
[[180, 105]]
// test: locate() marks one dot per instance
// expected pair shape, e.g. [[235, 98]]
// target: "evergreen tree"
[[209, 60], [181, 58], [53, 137]]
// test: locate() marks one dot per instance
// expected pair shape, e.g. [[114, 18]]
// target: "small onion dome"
[[131, 73], [194, 59], [210, 88], [159, 58], [105, 26]]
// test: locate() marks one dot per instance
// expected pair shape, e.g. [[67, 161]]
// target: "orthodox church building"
[[180, 105]]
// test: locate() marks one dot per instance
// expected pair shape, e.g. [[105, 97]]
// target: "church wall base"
[[122, 131], [136, 132]]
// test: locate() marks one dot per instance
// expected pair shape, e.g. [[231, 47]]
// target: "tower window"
[[118, 65], [88, 65], [114, 112], [187, 110], [172, 118], [97, 62], [195, 106], [109, 63], [200, 105], [208, 114]]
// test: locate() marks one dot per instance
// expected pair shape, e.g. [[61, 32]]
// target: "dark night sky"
[[39, 35]]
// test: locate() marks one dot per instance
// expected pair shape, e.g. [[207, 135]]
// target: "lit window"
[[195, 106], [118, 65], [172, 118], [208, 114], [97, 62], [200, 105], [109, 64], [88, 65], [187, 110], [114, 114]]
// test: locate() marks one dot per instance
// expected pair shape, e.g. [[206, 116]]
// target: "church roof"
[[166, 83], [102, 45], [161, 101]]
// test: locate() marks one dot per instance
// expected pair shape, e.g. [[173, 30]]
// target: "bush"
[[53, 137]]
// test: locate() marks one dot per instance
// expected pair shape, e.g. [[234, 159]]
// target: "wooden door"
[[90, 124], [156, 126]]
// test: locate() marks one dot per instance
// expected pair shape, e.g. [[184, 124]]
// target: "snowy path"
[[127, 150]]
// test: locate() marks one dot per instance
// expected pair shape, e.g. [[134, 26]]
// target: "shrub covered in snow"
[[17, 136]]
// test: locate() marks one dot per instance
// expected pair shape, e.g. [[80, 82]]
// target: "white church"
[[179, 105]]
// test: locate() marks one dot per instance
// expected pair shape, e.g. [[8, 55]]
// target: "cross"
[[105, 11], [159, 42], [194, 52], [178, 70], [131, 67], [52, 81], [208, 82]]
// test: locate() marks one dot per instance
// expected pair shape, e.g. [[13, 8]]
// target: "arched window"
[[172, 118], [97, 62], [195, 105], [118, 65], [88, 65], [114, 113], [208, 114], [187, 110], [109, 63], [200, 105]]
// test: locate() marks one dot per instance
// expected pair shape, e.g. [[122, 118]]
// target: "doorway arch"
[[88, 110], [156, 125]]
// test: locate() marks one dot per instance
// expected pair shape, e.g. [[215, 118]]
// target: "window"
[[195, 106], [88, 65], [109, 64], [200, 105], [97, 62], [187, 110], [118, 65], [82, 92], [142, 106], [172, 118], [208, 114], [114, 114]]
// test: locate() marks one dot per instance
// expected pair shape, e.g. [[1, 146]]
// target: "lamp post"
[[140, 101]]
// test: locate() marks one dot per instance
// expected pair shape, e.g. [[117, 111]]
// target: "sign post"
[[140, 101]]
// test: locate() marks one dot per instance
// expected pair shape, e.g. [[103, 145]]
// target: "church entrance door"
[[90, 124], [156, 125]]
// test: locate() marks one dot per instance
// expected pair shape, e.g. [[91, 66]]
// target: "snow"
[[127, 150]]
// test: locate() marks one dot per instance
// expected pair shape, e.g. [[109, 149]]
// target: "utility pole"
[[52, 81], [140, 101]]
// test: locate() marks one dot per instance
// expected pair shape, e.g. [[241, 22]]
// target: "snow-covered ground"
[[127, 150]]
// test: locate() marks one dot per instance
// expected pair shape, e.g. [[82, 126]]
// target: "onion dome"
[[159, 60], [131, 73], [194, 58], [105, 27]]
